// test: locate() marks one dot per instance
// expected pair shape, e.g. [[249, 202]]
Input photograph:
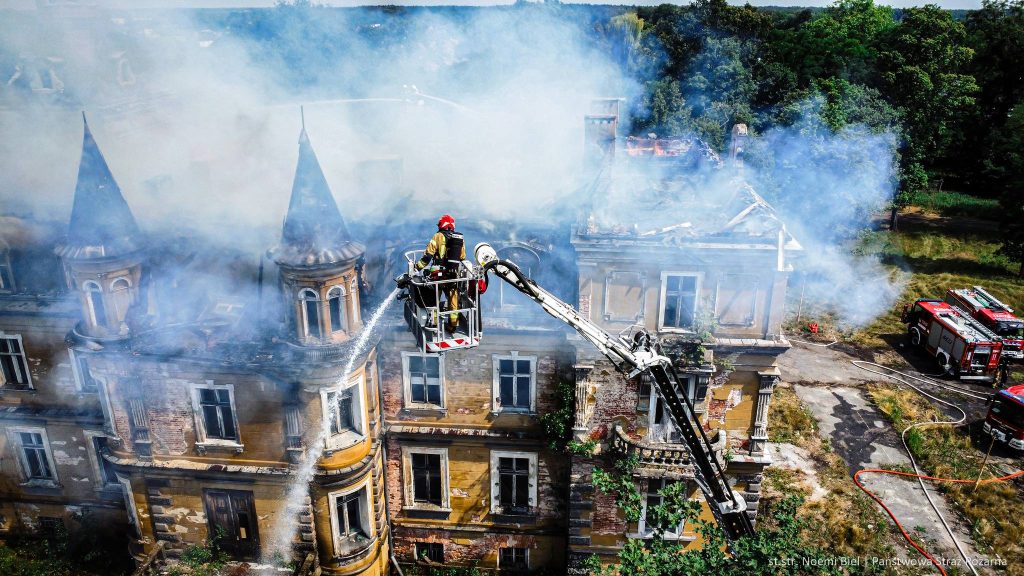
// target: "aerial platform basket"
[[427, 309]]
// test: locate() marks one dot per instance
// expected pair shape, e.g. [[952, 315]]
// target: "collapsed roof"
[[678, 189]]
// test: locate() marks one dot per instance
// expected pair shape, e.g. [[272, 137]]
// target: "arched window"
[[6, 278], [311, 312], [528, 261], [94, 297], [336, 302], [121, 291]]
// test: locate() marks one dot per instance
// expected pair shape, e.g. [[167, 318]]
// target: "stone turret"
[[103, 252], [317, 258]]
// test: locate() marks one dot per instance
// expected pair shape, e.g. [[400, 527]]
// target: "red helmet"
[[446, 223]]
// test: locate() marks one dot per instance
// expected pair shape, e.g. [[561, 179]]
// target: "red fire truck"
[[1005, 419], [964, 347], [998, 317]]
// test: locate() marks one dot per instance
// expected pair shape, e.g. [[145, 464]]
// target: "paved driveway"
[[832, 389]]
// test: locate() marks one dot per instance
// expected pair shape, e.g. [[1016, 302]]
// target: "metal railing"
[[432, 296], [664, 454]]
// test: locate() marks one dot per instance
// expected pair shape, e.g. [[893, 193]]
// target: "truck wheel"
[[915, 336], [944, 362]]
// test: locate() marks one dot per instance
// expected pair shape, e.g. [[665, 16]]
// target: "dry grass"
[[994, 511], [788, 419], [927, 259], [937, 261]]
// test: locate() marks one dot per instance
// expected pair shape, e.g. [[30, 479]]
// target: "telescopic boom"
[[641, 354]]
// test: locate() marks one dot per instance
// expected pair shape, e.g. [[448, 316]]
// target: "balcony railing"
[[665, 455]]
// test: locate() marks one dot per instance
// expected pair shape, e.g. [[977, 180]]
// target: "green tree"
[[924, 71], [841, 42], [775, 549], [667, 112], [627, 40], [996, 33], [1012, 199], [720, 87], [997, 37]]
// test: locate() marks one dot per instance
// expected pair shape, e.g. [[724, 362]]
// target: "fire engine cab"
[[964, 347], [995, 315], [1005, 419]]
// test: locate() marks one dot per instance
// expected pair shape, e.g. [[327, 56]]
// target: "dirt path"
[[832, 388]]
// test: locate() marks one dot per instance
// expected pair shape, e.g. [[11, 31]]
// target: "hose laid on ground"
[[901, 377], [920, 478], [925, 378]]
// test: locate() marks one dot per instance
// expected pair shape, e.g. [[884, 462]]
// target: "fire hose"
[[902, 377]]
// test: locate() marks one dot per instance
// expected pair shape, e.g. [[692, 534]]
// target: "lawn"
[[956, 204]]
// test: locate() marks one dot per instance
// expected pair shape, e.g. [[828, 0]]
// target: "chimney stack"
[[600, 130], [738, 142]]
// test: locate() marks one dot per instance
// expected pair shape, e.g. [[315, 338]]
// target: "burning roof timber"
[[675, 191]]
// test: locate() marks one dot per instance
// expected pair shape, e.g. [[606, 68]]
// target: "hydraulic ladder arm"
[[641, 354]]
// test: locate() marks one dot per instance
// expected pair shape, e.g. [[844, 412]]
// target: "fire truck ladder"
[[641, 353], [991, 301]]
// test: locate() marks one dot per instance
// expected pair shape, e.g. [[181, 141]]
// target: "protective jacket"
[[446, 249]]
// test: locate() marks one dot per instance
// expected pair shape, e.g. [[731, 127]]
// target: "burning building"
[[187, 423], [145, 381], [675, 240]]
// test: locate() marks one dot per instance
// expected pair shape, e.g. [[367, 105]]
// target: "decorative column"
[[584, 405], [759, 438]]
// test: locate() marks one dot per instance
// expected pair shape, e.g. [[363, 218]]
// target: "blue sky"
[[22, 4]]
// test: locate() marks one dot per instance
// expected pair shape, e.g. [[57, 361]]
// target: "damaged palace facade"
[[175, 424]]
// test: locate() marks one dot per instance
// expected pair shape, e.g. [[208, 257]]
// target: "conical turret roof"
[[102, 225], [314, 232]]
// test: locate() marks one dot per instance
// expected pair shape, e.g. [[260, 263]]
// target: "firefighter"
[[444, 254]]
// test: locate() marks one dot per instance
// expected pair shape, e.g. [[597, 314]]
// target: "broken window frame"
[[409, 479], [519, 404], [345, 432], [7, 284], [429, 552], [348, 534], [129, 503], [309, 301], [121, 296], [14, 370], [203, 438], [663, 301], [654, 498], [337, 309], [84, 381], [41, 452], [95, 304], [105, 478], [513, 559], [409, 381], [497, 507]]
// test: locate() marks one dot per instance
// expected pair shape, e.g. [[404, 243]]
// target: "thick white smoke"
[[475, 112], [482, 112]]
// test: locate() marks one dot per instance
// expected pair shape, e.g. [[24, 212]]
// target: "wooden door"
[[231, 516]]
